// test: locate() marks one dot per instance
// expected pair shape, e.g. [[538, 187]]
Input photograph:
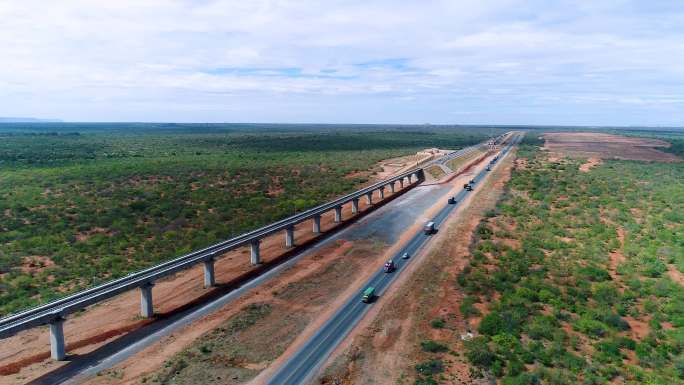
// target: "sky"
[[425, 61]]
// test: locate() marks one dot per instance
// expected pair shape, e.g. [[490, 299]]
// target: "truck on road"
[[368, 294], [389, 266], [429, 228]]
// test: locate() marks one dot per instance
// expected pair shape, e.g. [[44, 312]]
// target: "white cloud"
[[502, 61]]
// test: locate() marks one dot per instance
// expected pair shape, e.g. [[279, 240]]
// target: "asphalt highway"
[[304, 363]]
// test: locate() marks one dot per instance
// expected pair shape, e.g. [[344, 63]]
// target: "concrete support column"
[[409, 178], [289, 236], [209, 278], [382, 192], [392, 187], [338, 214], [369, 198], [146, 307], [255, 258], [316, 224], [57, 350], [355, 206], [401, 183]]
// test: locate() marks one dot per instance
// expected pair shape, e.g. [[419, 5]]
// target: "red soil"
[[22, 353]]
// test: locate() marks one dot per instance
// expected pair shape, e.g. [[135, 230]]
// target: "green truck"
[[368, 294]]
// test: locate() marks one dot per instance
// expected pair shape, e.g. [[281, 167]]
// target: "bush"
[[590, 327], [679, 367], [522, 379], [655, 268], [484, 232], [606, 293], [479, 353], [433, 346], [437, 323], [515, 367], [467, 307], [617, 322], [430, 367], [541, 327], [498, 322], [425, 381], [594, 274]]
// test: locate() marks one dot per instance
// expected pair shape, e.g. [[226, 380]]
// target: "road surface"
[[305, 362]]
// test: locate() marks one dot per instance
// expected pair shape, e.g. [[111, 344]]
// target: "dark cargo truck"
[[389, 266]]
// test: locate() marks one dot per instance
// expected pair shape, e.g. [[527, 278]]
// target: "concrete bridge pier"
[[316, 224], [401, 183], [382, 192], [289, 236], [146, 307], [338, 214], [255, 258], [392, 187], [209, 277], [355, 206], [409, 178], [57, 349], [369, 198]]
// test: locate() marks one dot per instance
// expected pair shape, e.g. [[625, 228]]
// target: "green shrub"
[[679, 367], [478, 352], [433, 346], [617, 322], [437, 323], [515, 367], [522, 379], [467, 307], [594, 273], [655, 268], [605, 293], [507, 321], [430, 367], [425, 381], [590, 327], [541, 327]]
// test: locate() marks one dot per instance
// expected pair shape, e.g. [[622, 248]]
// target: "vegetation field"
[[84, 203], [577, 277]]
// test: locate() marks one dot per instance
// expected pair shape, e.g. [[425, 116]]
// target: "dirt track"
[[606, 146]]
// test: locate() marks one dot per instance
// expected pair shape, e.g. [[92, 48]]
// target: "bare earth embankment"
[[606, 146]]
